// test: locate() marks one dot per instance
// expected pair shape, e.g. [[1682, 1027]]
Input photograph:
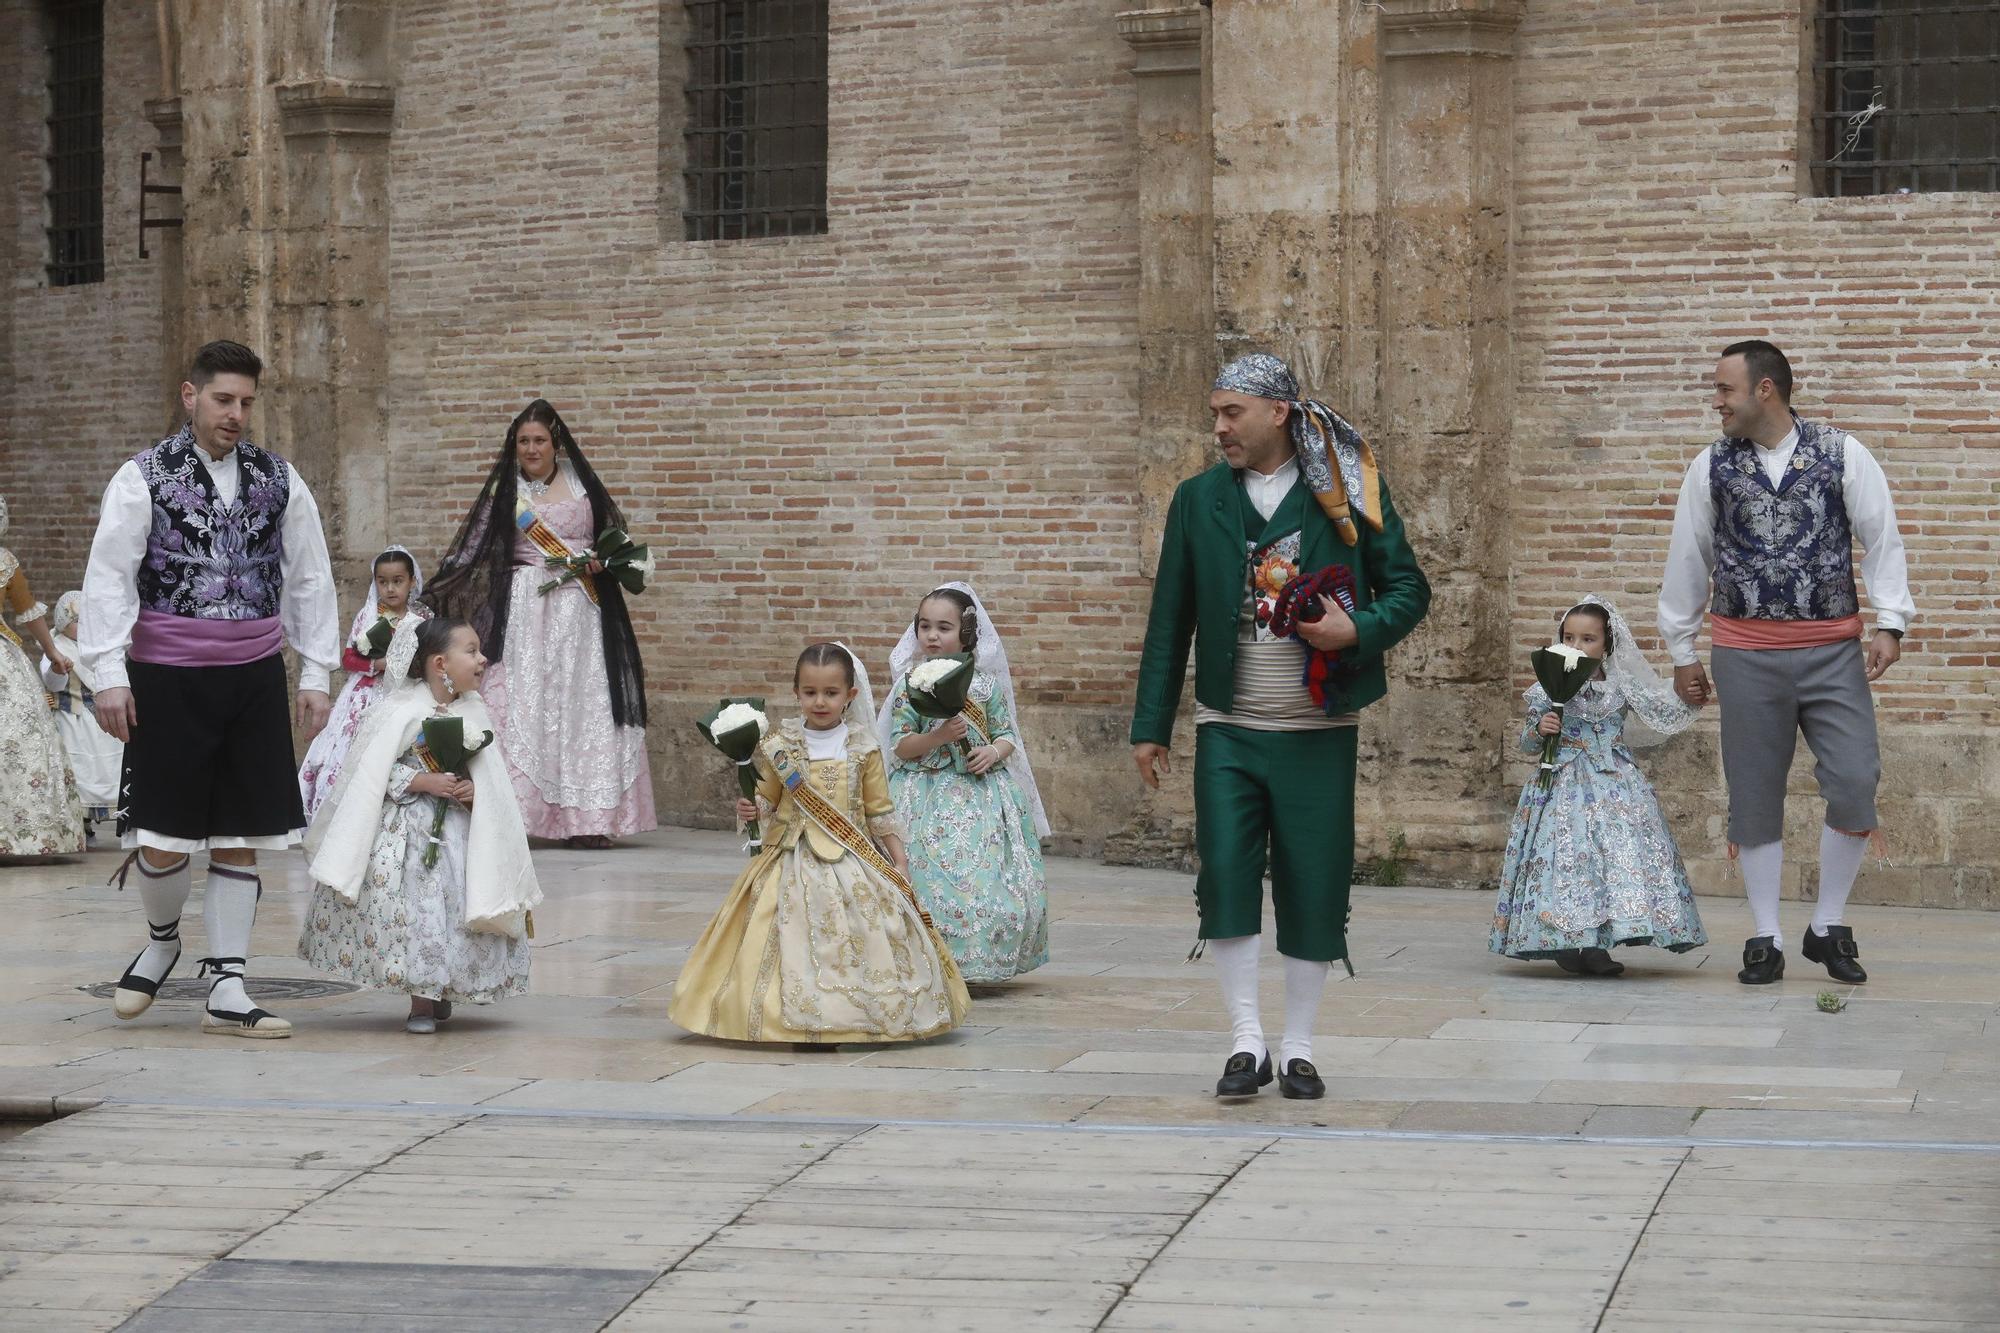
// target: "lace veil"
[[373, 611], [1656, 711], [989, 657]]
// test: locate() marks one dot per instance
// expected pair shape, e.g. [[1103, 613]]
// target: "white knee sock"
[[228, 911], [1763, 867], [1236, 968], [1839, 862], [1305, 978], [163, 893]]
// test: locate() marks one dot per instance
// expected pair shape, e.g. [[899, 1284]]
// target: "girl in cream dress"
[[821, 939]]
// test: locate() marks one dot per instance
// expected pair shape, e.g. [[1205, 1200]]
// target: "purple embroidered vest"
[[1783, 552], [206, 560]]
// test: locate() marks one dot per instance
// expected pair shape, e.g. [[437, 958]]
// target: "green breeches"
[[1282, 799]]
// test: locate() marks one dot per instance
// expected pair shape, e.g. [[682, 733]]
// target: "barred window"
[[756, 119], [76, 142], [1909, 97]]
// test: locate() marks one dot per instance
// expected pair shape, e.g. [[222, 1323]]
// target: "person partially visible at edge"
[[1297, 496], [209, 557], [566, 688], [1764, 536]]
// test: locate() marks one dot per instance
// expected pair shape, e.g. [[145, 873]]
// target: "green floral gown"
[[974, 857]]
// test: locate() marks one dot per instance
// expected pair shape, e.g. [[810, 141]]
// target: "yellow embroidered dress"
[[814, 944]]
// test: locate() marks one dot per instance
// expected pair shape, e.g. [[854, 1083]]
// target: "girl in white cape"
[[455, 929]]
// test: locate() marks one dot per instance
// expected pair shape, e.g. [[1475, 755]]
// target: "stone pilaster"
[[1446, 134], [1176, 332], [331, 301], [1176, 251]]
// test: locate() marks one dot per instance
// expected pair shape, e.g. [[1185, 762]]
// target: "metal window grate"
[[1909, 97], [756, 118], [76, 142]]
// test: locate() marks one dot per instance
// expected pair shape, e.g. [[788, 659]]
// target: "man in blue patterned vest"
[[1764, 535], [208, 557]]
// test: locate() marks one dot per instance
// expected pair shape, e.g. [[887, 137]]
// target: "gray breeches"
[[1768, 697]]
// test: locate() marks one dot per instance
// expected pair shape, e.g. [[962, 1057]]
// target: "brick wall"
[[79, 366], [1660, 216], [812, 430]]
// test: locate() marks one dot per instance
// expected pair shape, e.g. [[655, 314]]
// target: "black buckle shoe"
[[1763, 962], [1836, 951], [1300, 1081], [1242, 1076]]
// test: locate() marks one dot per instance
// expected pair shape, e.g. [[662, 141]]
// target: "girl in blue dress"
[[974, 815], [1591, 863]]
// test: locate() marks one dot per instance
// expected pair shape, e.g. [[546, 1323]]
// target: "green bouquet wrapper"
[[945, 697], [737, 738], [444, 749]]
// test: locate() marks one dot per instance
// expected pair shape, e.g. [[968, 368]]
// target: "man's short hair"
[[224, 358], [1764, 362]]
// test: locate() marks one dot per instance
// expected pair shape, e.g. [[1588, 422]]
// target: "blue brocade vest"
[[1783, 552], [208, 560]]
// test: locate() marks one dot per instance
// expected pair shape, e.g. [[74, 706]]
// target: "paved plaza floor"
[[1501, 1145]]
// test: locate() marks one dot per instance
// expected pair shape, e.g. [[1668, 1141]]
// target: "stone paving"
[[1501, 1144]]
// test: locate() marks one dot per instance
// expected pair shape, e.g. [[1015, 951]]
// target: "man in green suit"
[[1290, 595]]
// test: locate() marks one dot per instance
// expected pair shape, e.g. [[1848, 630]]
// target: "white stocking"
[[1236, 967], [163, 893], [1763, 867], [1839, 862], [228, 911], [1305, 978]]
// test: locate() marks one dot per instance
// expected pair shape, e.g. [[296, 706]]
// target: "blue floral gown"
[[1591, 863], [974, 858]]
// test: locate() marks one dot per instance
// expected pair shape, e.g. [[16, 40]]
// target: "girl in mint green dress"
[[974, 815]]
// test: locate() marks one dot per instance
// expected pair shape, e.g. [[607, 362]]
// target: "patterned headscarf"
[[1324, 441]]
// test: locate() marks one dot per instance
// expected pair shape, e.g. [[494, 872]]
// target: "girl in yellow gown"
[[821, 939]]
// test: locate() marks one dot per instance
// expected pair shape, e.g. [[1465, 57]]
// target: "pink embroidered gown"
[[328, 750], [576, 772]]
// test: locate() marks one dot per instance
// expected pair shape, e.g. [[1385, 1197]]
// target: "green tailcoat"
[[1204, 577]]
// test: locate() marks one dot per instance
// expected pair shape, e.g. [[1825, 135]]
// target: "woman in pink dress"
[[565, 685]]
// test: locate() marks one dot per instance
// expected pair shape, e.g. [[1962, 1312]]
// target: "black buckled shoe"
[[1299, 1081], [1243, 1075], [1763, 962], [1836, 952]]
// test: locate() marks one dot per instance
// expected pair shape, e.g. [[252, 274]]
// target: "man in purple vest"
[[208, 557], [1764, 536]]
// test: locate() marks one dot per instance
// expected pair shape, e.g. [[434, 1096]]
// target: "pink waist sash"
[[184, 641], [1774, 635]]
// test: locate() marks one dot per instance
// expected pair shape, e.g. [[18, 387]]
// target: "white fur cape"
[[500, 884]]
